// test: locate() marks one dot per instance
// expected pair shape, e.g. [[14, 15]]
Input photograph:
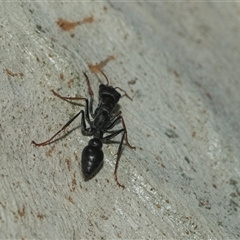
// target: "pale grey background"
[[182, 182]]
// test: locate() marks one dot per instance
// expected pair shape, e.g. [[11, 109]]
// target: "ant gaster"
[[103, 120]]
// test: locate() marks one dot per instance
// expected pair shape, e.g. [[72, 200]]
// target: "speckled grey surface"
[[180, 64]]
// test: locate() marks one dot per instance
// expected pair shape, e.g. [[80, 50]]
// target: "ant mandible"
[[103, 120]]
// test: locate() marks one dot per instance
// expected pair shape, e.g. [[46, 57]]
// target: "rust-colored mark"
[[176, 73], [22, 212], [68, 163], [41, 216], [204, 203], [214, 185], [119, 235], [49, 152], [75, 156], [70, 199], [61, 76], [67, 26], [132, 82], [158, 205], [87, 20], [209, 96], [10, 73], [70, 83], [104, 217], [97, 68], [74, 183], [204, 89]]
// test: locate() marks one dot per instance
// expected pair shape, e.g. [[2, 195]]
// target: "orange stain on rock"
[[98, 67], [67, 26]]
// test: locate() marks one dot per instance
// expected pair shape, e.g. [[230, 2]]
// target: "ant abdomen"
[[92, 158]]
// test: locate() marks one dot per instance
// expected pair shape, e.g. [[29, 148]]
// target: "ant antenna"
[[125, 94], [101, 71]]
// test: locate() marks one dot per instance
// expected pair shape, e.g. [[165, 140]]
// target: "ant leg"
[[106, 139], [111, 136], [69, 99], [124, 127], [116, 115], [89, 85], [117, 162], [83, 124], [90, 93]]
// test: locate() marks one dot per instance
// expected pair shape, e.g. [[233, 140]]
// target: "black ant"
[[103, 120]]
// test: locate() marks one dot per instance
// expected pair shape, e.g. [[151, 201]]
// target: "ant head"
[[109, 92]]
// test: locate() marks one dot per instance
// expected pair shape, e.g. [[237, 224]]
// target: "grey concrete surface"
[[179, 61]]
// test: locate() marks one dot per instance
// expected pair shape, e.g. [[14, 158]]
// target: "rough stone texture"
[[180, 64]]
